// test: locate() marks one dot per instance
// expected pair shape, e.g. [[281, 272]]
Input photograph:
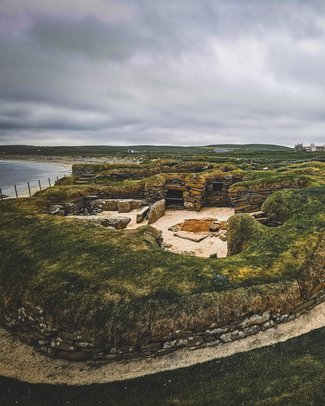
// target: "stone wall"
[[218, 198], [193, 197], [153, 193], [246, 201], [227, 316], [30, 325]]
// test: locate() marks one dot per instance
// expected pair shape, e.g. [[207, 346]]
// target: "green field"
[[260, 153]]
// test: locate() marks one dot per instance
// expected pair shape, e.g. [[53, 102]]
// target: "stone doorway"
[[174, 198]]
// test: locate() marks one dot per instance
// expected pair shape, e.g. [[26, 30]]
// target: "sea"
[[20, 172]]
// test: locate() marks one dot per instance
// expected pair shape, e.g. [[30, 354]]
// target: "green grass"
[[259, 153], [84, 275], [288, 374]]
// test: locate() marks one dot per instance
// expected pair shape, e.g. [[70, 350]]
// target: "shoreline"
[[22, 362], [68, 160], [45, 160], [54, 170]]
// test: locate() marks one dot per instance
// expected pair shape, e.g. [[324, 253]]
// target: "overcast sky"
[[182, 72]]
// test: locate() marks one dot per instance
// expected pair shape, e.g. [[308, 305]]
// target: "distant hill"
[[107, 149], [251, 147]]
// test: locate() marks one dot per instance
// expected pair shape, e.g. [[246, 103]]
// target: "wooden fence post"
[[16, 191], [30, 193], [39, 184]]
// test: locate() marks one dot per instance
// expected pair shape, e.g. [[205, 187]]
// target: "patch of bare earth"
[[196, 224]]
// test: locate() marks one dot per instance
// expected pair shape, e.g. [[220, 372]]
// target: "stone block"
[[157, 210], [142, 214], [124, 206]]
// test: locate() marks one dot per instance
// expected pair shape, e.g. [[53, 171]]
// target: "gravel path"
[[21, 362]]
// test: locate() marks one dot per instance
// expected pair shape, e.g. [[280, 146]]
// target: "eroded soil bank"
[[22, 362]]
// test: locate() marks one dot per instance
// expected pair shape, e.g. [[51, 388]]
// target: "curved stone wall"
[[231, 315]]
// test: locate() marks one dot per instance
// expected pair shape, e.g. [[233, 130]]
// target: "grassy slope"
[[105, 278], [290, 373]]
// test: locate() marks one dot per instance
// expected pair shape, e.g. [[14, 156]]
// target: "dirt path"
[[21, 362]]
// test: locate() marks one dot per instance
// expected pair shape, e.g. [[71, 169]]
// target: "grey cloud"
[[182, 72]]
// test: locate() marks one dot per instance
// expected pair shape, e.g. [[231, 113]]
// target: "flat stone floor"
[[212, 244]]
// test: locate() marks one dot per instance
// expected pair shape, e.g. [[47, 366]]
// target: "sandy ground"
[[69, 160], [210, 245], [21, 362]]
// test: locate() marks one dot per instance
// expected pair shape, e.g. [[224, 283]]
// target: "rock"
[[191, 236], [117, 222], [251, 330], [182, 333], [142, 214], [169, 344], [136, 204], [189, 206], [176, 227], [217, 330], [84, 344], [256, 319], [57, 206], [214, 227], [267, 325], [194, 341], [213, 343], [182, 342], [223, 237], [223, 225], [43, 342], [124, 206], [150, 347], [157, 210], [105, 204], [227, 337]]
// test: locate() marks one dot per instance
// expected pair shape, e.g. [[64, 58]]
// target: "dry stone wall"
[[231, 315], [31, 326], [154, 193], [246, 201]]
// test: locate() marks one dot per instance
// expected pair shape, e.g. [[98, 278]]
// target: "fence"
[[18, 192]]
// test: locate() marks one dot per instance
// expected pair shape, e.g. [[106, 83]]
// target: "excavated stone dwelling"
[[192, 195]]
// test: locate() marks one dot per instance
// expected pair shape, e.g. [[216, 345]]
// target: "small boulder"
[[117, 222], [124, 206], [175, 227], [214, 227], [157, 210]]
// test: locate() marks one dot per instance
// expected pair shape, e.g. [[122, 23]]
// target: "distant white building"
[[311, 148]]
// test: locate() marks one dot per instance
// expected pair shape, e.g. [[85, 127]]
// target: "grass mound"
[[110, 281]]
